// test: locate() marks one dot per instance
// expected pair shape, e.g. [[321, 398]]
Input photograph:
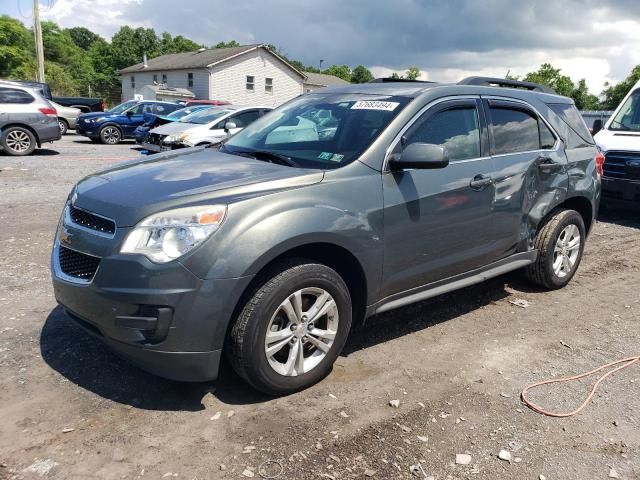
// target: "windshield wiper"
[[624, 127], [264, 155]]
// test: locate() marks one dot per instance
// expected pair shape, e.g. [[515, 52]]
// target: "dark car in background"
[[84, 104], [270, 247], [119, 123], [152, 121]]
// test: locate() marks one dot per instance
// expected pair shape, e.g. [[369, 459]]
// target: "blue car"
[[114, 125], [152, 121]]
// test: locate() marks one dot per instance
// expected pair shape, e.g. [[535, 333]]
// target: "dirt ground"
[[70, 409]]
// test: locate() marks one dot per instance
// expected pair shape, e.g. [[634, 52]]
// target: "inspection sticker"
[[374, 105]]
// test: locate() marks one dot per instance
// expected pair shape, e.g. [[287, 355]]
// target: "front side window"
[[123, 107], [268, 85], [15, 96], [514, 131], [245, 118], [456, 129], [628, 117], [250, 82], [319, 130]]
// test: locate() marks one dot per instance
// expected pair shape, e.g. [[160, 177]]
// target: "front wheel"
[[292, 329], [560, 244], [110, 135], [63, 126]]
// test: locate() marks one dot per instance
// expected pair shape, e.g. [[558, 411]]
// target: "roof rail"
[[504, 82], [391, 79]]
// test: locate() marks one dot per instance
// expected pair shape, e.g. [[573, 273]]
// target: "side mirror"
[[229, 126], [129, 113], [597, 126], [420, 155]]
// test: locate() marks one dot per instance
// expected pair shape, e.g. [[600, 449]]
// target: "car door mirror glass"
[[420, 155]]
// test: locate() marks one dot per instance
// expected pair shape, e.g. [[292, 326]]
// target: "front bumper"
[[160, 317], [87, 129], [627, 190]]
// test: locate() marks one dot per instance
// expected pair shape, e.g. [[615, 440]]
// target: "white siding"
[[228, 80], [175, 78]]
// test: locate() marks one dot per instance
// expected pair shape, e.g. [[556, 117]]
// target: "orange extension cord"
[[537, 408]]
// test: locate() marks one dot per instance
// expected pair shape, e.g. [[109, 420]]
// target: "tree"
[[583, 99], [361, 74], [340, 71], [83, 37], [229, 44], [614, 94], [551, 77], [16, 45], [413, 73], [396, 76]]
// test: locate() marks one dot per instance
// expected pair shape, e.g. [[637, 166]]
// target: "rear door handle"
[[480, 182], [547, 165]]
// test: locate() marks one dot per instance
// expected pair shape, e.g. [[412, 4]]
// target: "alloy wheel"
[[18, 141], [566, 250], [301, 331], [111, 135]]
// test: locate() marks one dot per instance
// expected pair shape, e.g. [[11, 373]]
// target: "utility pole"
[[38, 33]]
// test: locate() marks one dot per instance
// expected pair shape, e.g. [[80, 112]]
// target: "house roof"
[[164, 90], [324, 80], [200, 59]]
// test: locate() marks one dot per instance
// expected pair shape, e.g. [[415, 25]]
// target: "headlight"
[[97, 120], [168, 235], [175, 138]]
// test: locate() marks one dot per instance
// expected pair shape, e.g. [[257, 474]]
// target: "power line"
[[26, 17]]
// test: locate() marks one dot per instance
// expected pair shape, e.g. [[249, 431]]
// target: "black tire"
[[18, 141], [246, 343], [64, 126], [542, 272], [110, 135]]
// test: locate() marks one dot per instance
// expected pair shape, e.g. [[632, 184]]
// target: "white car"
[[203, 127], [67, 117], [619, 142]]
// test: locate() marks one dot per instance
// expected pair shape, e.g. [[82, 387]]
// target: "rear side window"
[[578, 134], [515, 130], [245, 118], [457, 130], [13, 95]]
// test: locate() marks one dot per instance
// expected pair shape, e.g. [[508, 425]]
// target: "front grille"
[[620, 165], [76, 264], [91, 221]]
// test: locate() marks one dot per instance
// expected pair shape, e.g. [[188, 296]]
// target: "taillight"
[[49, 112], [101, 105], [600, 163]]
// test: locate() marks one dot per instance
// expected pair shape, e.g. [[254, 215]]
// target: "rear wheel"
[[63, 125], [18, 141], [560, 244], [292, 329], [110, 134]]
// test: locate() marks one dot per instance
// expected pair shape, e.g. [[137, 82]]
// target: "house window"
[[250, 82], [155, 78], [133, 81], [190, 79], [164, 78], [268, 85]]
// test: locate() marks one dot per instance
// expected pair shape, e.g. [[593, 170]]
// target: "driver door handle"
[[480, 182], [547, 165]]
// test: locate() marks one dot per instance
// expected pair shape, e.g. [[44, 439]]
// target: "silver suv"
[[27, 119]]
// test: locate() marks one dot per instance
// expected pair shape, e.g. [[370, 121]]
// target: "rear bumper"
[[626, 190], [48, 132]]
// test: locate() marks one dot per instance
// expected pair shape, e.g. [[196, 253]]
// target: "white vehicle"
[[619, 141], [203, 127]]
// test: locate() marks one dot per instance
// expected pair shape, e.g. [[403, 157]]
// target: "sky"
[[598, 40]]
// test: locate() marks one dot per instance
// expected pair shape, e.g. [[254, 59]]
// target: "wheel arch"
[[111, 124], [26, 127], [580, 204]]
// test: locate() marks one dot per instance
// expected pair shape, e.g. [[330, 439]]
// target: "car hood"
[[173, 128], [132, 191], [618, 140]]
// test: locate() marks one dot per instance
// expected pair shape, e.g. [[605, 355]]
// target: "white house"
[[247, 75]]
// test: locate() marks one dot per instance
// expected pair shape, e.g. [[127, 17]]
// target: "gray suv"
[[338, 205], [27, 119]]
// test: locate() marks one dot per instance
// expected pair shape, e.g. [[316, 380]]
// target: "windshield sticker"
[[325, 156], [374, 105], [336, 157]]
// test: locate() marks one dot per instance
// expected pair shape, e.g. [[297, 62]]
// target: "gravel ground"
[[70, 409]]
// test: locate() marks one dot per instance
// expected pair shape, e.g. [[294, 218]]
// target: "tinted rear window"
[[569, 114], [13, 95]]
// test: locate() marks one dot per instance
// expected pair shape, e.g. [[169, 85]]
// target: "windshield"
[[319, 130], [183, 112], [202, 117], [123, 106], [628, 117]]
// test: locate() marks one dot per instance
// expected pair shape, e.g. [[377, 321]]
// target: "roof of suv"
[[415, 89]]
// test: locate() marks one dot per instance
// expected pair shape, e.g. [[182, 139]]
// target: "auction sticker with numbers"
[[374, 105]]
